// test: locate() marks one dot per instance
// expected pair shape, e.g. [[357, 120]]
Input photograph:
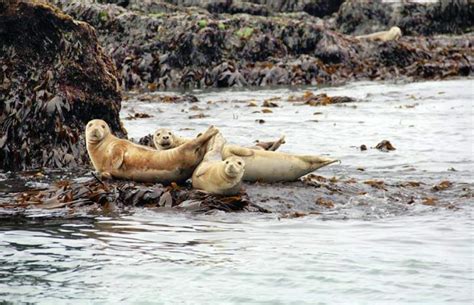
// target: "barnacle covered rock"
[[54, 78]]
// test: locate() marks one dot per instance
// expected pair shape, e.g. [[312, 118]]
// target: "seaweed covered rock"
[[54, 78], [318, 8], [357, 17], [189, 47], [414, 18], [443, 17]]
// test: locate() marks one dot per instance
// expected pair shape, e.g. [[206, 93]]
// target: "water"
[[406, 255]]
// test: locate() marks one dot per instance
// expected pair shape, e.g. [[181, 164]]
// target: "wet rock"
[[94, 192], [138, 116], [329, 198], [442, 186], [357, 17], [54, 78], [325, 202], [318, 8], [147, 141], [385, 146], [309, 98], [440, 17], [269, 104]]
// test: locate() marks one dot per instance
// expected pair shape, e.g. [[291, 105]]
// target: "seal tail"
[[318, 161]]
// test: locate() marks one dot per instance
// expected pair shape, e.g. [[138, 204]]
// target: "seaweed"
[[55, 78]]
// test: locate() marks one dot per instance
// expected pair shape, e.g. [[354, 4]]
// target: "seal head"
[[234, 167], [395, 33], [96, 131], [164, 139]]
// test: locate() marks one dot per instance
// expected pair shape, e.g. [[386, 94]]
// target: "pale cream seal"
[[217, 176], [119, 158], [393, 34], [271, 166]]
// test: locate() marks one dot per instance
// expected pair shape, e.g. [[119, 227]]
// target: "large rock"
[[414, 18], [318, 8], [54, 78], [190, 47]]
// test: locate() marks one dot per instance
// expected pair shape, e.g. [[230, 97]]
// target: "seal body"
[[393, 34], [271, 166], [119, 158], [165, 139], [216, 176]]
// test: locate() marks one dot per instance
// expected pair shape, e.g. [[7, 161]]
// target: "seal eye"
[[103, 126], [158, 134], [226, 162], [169, 133], [239, 163]]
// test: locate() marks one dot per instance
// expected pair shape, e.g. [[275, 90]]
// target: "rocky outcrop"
[[54, 78], [414, 18], [192, 48], [317, 8]]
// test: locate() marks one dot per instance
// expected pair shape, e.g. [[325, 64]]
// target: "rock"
[[357, 17], [158, 45], [385, 146], [414, 18], [54, 78]]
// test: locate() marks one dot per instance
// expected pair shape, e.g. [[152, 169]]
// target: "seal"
[[393, 34], [165, 139], [216, 176], [119, 158], [271, 166]]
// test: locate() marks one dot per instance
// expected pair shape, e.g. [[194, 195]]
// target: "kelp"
[[341, 196], [94, 194]]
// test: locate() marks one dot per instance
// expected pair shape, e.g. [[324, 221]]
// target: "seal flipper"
[[201, 170], [117, 157], [237, 151], [317, 161], [277, 144], [106, 175]]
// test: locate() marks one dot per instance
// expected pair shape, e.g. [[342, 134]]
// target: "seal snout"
[[234, 166], [96, 130]]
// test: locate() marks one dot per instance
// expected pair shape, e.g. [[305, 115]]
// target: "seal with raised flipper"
[[271, 166], [120, 158], [393, 34], [217, 176]]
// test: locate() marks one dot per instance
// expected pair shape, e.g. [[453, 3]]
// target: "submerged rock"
[[54, 78]]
